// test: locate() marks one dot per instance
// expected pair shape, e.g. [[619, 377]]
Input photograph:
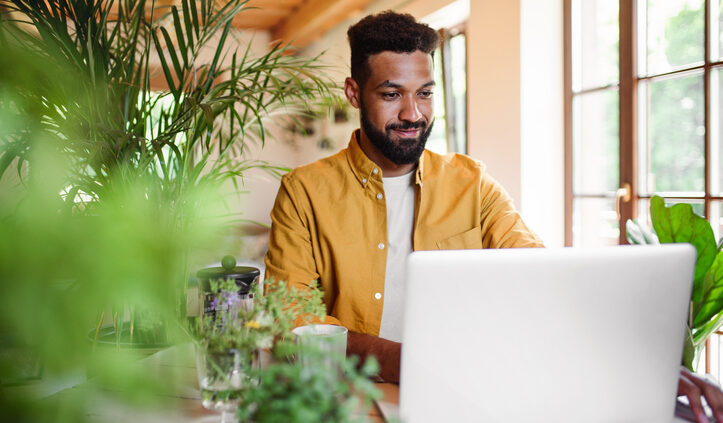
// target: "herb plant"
[[276, 309]]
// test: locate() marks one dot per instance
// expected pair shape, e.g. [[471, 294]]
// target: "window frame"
[[628, 195]]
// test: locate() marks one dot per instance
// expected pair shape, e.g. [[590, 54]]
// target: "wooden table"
[[181, 401]]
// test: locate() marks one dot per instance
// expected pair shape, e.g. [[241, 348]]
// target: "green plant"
[[291, 393], [191, 134], [678, 223], [275, 310], [119, 184], [194, 135], [284, 391]]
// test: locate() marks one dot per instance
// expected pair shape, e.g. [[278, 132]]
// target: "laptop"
[[545, 335]]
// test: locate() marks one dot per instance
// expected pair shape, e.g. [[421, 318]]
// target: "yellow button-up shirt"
[[330, 218]]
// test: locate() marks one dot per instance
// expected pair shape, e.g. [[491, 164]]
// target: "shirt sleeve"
[[502, 225], [290, 256]]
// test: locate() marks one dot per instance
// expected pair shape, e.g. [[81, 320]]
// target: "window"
[[643, 93], [450, 95]]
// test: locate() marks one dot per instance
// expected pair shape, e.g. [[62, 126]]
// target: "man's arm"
[[502, 225], [290, 256], [388, 353]]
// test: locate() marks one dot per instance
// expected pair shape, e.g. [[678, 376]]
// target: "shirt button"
[[381, 245], [379, 196], [378, 296], [364, 181], [375, 171]]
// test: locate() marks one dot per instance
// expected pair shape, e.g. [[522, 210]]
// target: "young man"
[[350, 220]]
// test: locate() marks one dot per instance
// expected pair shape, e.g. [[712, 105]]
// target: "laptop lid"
[[551, 335]]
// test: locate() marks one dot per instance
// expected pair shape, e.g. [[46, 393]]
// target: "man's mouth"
[[407, 133]]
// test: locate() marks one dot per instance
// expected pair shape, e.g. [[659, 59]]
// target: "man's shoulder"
[[453, 164], [322, 168]]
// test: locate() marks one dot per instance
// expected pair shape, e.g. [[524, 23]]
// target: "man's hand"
[[694, 387], [388, 353]]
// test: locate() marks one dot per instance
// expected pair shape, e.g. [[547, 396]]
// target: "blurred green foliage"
[[107, 189], [293, 393]]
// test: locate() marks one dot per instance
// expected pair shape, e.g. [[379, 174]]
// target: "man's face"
[[396, 104]]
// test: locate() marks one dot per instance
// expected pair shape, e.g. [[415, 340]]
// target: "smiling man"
[[350, 220]]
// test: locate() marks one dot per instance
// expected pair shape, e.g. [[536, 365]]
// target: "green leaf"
[[712, 302], [180, 35], [174, 57], [207, 113], [680, 224]]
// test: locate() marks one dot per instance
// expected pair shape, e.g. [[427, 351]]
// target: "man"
[[350, 220]]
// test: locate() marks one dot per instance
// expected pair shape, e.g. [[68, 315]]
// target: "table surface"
[[181, 402]]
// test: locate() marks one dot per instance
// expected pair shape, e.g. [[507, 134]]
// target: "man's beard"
[[404, 151]]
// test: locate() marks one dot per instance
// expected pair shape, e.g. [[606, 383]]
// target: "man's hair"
[[387, 31]]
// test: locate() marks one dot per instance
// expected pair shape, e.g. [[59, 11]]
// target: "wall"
[[542, 166], [515, 104]]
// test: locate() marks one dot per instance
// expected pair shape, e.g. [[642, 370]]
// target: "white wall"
[[542, 190], [515, 104]]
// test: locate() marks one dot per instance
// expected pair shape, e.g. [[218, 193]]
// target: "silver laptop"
[[545, 335]]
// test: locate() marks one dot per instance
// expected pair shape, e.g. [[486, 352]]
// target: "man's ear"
[[353, 92]]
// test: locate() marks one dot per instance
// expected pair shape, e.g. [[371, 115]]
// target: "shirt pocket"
[[467, 240]]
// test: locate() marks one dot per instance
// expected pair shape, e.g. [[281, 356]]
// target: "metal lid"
[[243, 275]]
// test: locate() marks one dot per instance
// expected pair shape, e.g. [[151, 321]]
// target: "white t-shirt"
[[399, 194]]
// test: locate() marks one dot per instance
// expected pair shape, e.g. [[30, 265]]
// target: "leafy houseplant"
[[189, 137], [283, 391], [118, 183], [678, 223]]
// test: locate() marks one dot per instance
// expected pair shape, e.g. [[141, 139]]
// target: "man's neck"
[[388, 167]]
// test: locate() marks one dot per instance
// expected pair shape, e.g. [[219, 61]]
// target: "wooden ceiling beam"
[[314, 18]]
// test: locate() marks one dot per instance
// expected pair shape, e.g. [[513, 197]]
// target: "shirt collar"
[[365, 170]]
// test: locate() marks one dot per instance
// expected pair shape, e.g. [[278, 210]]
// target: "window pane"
[[716, 212], [716, 135], [458, 47], [595, 37], [644, 212], [674, 34], [672, 147], [437, 140], [595, 142], [594, 222], [716, 29]]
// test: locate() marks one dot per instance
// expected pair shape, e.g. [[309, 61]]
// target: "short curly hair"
[[387, 31]]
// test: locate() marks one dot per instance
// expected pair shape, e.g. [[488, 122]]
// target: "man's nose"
[[410, 110]]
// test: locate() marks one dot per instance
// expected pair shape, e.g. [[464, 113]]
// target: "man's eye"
[[390, 96], [426, 94]]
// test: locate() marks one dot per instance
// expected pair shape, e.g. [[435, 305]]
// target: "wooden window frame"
[[629, 81]]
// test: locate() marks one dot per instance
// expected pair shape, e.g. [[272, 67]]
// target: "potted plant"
[[228, 341], [117, 183], [678, 223], [191, 136]]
